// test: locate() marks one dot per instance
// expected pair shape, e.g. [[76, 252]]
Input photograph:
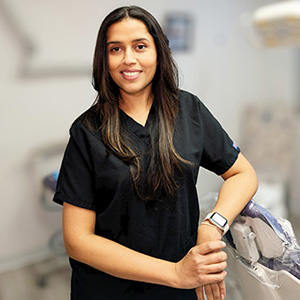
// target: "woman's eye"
[[141, 47], [115, 49]]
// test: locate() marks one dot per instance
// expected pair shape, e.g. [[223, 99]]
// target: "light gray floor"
[[22, 284]]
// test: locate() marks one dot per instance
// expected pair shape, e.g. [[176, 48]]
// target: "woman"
[[127, 181]]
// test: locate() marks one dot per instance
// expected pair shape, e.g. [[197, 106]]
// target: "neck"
[[136, 106]]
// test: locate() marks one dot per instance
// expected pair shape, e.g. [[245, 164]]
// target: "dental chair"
[[263, 255]]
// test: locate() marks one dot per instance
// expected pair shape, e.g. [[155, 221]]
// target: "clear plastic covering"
[[265, 245]]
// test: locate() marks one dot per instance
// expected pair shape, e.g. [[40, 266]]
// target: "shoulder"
[[188, 100], [186, 96], [88, 123], [189, 103]]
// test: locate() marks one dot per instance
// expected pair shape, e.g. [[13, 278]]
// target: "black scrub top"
[[92, 178]]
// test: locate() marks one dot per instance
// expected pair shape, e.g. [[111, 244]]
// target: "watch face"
[[219, 219]]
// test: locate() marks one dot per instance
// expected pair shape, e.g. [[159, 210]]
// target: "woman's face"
[[132, 57]]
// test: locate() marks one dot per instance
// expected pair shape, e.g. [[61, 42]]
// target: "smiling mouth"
[[131, 74]]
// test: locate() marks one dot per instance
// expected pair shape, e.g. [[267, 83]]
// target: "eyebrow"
[[135, 40]]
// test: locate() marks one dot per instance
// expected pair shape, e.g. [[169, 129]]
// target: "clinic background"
[[46, 51]]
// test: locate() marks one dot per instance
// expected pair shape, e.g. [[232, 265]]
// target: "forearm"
[[117, 260], [84, 245], [199, 266], [238, 188], [234, 194]]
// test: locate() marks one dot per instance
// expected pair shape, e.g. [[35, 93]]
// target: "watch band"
[[215, 219]]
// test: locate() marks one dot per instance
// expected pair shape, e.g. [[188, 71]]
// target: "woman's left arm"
[[240, 185]]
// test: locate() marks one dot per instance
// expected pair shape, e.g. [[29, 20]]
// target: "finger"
[[199, 293], [209, 247], [208, 292], [215, 268], [222, 289], [215, 257], [216, 291], [213, 278]]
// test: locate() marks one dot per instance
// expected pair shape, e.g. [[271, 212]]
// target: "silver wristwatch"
[[218, 220]]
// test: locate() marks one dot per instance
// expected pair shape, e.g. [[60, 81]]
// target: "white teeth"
[[130, 74]]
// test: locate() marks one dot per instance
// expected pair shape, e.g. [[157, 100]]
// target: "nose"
[[129, 57]]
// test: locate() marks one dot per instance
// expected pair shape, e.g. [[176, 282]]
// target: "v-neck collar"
[[135, 127]]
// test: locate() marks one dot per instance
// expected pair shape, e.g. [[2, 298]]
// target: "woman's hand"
[[202, 265], [238, 188], [216, 290]]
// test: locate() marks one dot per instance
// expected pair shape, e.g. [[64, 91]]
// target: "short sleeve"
[[219, 151], [75, 181]]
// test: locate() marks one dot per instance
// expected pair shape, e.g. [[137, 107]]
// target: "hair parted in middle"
[[164, 160]]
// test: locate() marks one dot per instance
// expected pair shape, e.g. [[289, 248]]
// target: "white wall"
[[36, 110]]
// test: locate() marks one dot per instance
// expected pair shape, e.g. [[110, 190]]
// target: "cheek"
[[154, 63], [154, 66], [112, 64], [150, 63]]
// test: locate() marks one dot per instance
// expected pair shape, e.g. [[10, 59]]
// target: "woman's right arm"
[[200, 266]]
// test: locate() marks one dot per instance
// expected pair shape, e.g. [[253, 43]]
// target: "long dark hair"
[[164, 160]]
